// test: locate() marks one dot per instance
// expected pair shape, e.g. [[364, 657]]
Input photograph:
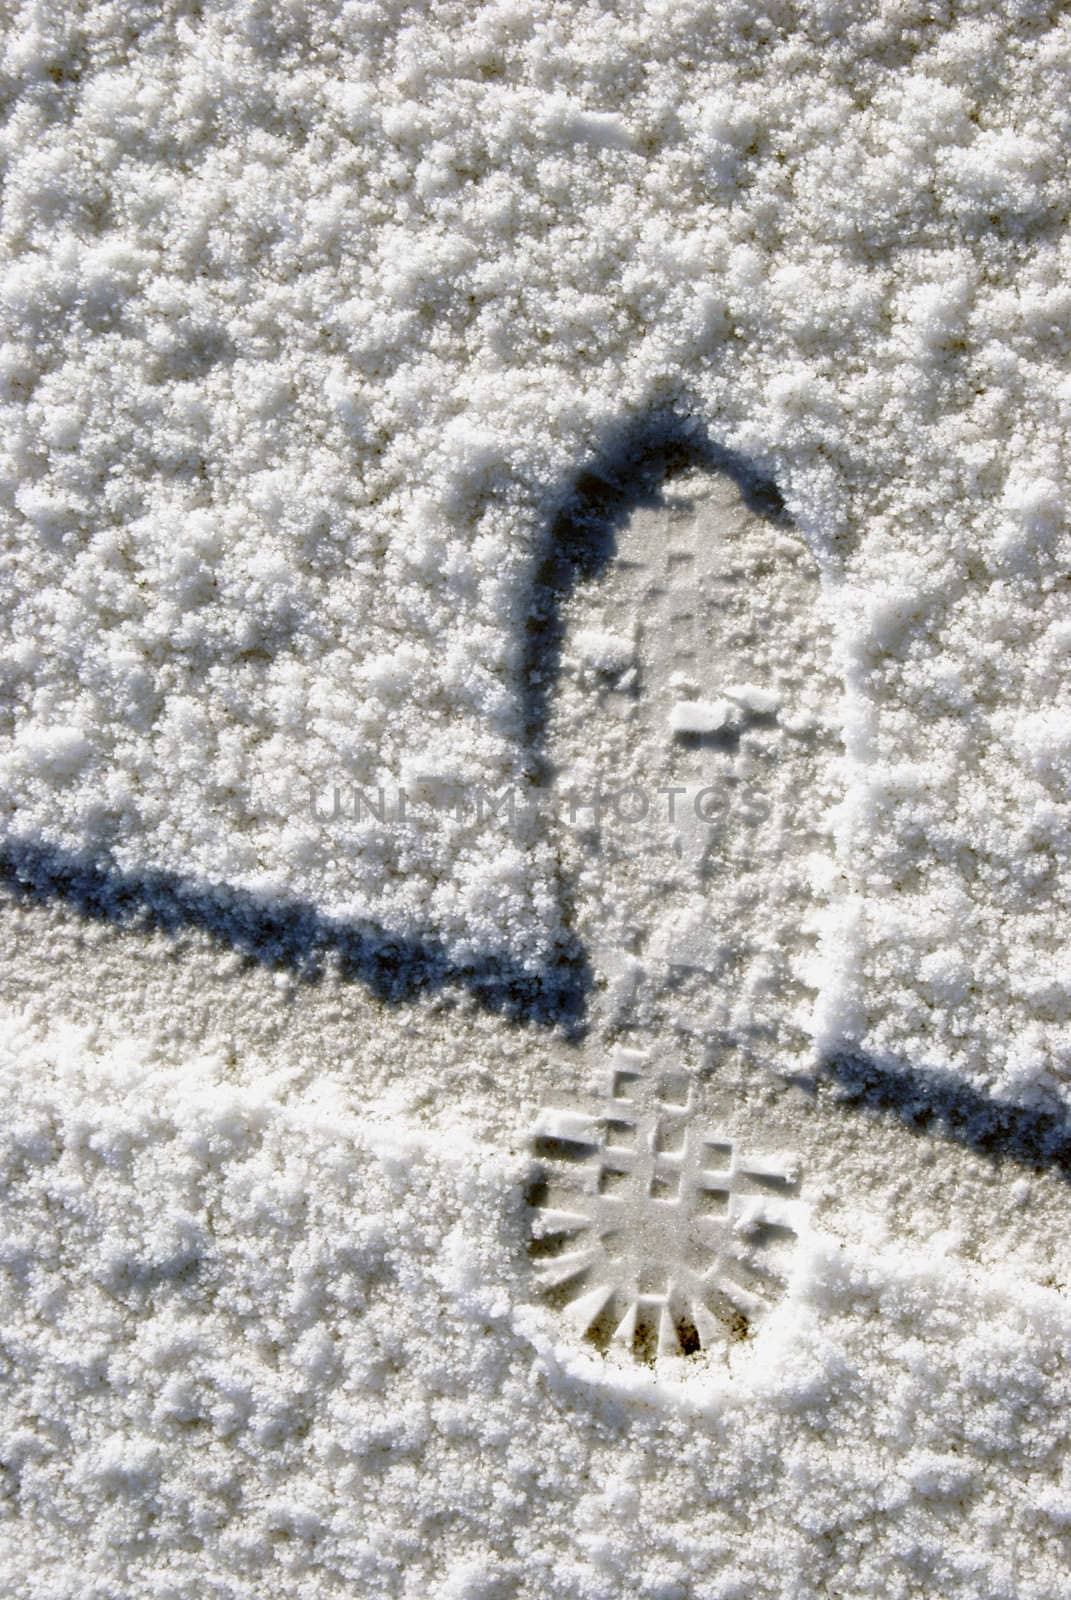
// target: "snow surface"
[[312, 316], [269, 1345]]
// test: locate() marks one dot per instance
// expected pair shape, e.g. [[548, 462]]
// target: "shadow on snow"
[[934, 1105], [291, 935], [579, 541]]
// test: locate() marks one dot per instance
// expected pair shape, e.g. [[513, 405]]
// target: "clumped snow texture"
[[311, 316], [264, 1346]]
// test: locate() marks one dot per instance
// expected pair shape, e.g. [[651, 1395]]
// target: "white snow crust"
[[312, 314]]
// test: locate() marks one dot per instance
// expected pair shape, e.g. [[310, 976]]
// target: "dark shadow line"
[[290, 935], [629, 471], [934, 1104]]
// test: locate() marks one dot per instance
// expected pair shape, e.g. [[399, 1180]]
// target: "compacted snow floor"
[[534, 760], [307, 1288]]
